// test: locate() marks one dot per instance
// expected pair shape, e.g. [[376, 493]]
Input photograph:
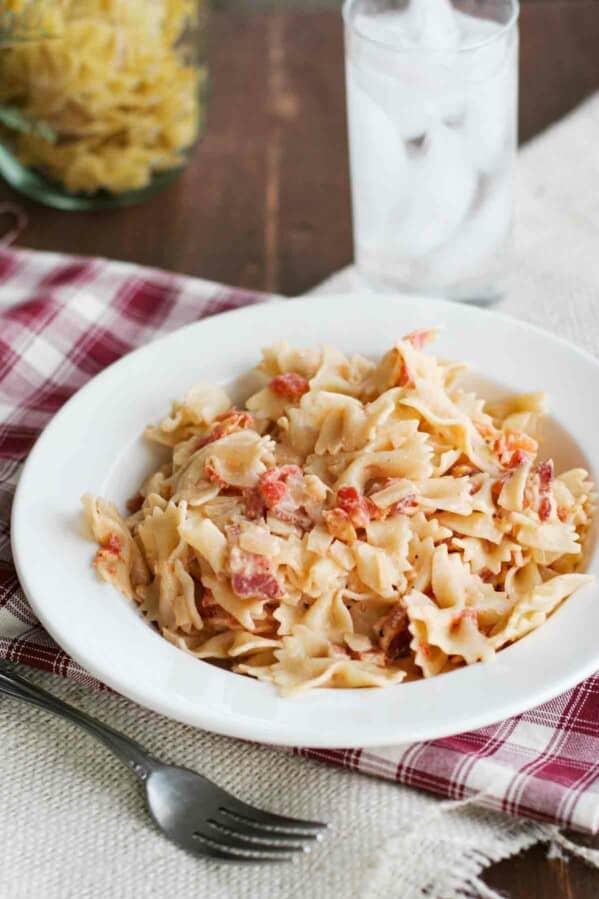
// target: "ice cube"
[[490, 121], [378, 161], [441, 188], [490, 118], [396, 93], [476, 251], [434, 24], [392, 28]]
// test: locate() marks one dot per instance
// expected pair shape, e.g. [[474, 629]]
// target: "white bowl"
[[94, 444]]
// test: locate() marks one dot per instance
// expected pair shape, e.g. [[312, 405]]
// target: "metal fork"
[[189, 809]]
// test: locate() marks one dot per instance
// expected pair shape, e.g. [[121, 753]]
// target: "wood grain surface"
[[264, 203]]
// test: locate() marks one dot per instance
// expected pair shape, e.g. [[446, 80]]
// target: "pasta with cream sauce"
[[357, 524]]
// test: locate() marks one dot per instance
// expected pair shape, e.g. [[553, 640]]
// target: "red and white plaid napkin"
[[62, 320]]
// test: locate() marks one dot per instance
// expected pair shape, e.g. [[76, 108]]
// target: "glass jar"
[[101, 101]]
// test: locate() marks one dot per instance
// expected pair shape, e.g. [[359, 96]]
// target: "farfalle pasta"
[[357, 524]]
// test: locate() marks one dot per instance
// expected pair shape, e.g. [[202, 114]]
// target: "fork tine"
[[211, 838], [255, 817], [199, 847], [259, 837]]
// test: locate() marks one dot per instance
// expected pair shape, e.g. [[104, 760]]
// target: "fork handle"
[[125, 749]]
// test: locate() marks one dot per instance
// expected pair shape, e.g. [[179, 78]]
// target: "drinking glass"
[[432, 91]]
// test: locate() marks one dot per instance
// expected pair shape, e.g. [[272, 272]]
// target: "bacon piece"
[[228, 422], [213, 612], [475, 488], [513, 448], [394, 636], [233, 533], [545, 475], [425, 650], [419, 338], [562, 513], [134, 503], [254, 503], [213, 475], [252, 575], [339, 525], [231, 421], [260, 586], [486, 575], [544, 508], [290, 386]]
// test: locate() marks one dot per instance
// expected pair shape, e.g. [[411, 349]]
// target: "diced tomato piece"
[[289, 471], [375, 512], [281, 491], [272, 492], [519, 458], [513, 448], [545, 508], [562, 513], [356, 506], [114, 544], [290, 386], [339, 525], [425, 650], [545, 475]]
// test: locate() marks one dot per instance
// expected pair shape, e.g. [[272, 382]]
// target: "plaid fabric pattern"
[[62, 320]]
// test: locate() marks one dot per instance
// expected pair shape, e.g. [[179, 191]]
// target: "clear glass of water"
[[432, 89]]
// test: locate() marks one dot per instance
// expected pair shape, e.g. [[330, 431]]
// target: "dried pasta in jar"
[[110, 80]]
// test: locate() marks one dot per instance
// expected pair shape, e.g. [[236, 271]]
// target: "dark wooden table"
[[265, 202]]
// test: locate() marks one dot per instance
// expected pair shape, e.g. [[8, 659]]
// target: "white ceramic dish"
[[94, 444]]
